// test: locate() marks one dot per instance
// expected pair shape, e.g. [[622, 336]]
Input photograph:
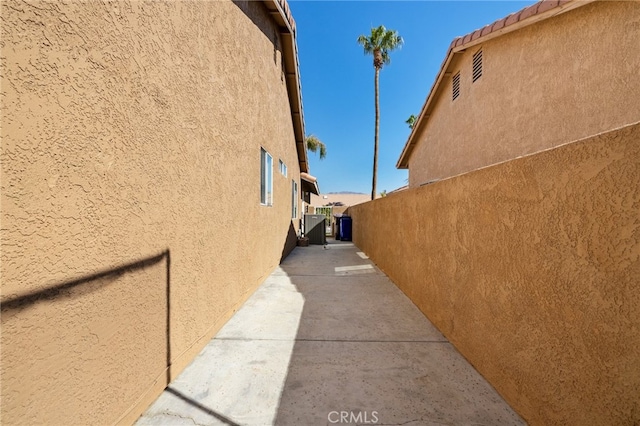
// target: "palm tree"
[[314, 145], [379, 44], [411, 121]]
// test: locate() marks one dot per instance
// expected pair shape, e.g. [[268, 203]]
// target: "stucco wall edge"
[[371, 234], [529, 154]]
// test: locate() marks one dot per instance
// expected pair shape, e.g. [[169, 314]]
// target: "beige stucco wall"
[[562, 79], [531, 268], [131, 136]]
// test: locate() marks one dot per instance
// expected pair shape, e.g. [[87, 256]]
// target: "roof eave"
[[403, 161], [279, 10], [535, 13], [309, 183]]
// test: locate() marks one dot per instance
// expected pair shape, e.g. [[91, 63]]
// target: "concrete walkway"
[[329, 339]]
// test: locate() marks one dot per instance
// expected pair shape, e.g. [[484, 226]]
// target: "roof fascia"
[[309, 183], [460, 44], [280, 12]]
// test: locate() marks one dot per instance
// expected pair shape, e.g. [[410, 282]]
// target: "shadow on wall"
[[324, 335], [290, 242], [50, 329], [257, 12]]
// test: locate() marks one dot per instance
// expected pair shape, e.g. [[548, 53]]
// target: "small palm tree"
[[379, 43], [314, 145], [411, 121]]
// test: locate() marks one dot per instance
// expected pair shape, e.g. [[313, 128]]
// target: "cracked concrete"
[[321, 343]]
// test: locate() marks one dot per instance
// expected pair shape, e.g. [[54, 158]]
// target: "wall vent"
[[456, 85], [477, 65]]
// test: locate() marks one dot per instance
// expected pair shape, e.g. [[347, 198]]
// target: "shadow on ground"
[[328, 339], [364, 354]]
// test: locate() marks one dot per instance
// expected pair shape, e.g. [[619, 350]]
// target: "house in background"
[[334, 204], [529, 266], [339, 199], [553, 73], [152, 156]]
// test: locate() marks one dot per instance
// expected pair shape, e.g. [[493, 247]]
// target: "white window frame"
[[283, 168], [266, 178], [294, 199]]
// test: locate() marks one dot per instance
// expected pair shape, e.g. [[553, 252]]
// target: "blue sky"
[[338, 86]]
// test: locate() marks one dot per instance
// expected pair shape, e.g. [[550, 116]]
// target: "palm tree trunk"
[[375, 145]]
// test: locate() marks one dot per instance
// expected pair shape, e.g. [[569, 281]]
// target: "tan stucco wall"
[[562, 79], [346, 199], [531, 268], [131, 132]]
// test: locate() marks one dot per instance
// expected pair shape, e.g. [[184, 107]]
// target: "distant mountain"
[[347, 192]]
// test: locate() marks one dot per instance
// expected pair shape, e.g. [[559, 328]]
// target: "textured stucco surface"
[[531, 269], [559, 80], [131, 136]]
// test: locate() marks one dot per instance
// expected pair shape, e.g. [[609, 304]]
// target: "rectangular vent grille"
[[477, 65], [456, 85]]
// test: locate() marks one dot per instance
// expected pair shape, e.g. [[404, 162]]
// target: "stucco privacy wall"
[[531, 268], [131, 135], [563, 79]]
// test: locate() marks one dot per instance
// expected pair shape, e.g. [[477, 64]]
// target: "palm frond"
[[365, 42], [314, 145], [386, 59], [381, 40], [411, 121]]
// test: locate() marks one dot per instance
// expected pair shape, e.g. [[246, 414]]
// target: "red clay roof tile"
[[524, 14], [287, 12], [498, 24], [521, 15], [545, 5], [512, 19], [529, 11], [485, 30]]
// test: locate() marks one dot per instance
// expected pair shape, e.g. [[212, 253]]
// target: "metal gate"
[[326, 211]]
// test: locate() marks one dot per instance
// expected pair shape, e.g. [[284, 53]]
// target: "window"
[[266, 178], [282, 167], [294, 199], [477, 65], [456, 86]]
